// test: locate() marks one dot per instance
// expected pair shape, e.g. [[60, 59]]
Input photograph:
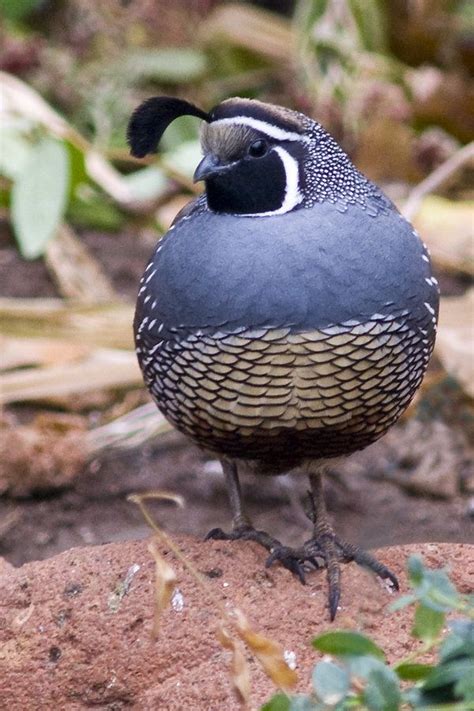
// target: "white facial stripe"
[[292, 193], [269, 129], [293, 196]]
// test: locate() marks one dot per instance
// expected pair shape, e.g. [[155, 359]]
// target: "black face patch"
[[250, 186]]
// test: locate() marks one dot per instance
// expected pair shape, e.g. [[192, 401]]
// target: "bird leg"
[[323, 546], [242, 527], [332, 549], [326, 546]]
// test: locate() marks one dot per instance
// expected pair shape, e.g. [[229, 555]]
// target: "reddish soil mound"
[[75, 630]]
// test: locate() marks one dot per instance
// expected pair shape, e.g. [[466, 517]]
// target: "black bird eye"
[[258, 148]]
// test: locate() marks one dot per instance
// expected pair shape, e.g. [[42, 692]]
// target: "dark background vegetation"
[[78, 219]]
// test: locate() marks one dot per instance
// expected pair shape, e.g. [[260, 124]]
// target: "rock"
[[75, 630], [432, 458]]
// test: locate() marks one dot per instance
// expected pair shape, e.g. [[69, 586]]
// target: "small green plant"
[[358, 676]]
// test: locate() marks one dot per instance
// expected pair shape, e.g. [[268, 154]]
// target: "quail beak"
[[209, 166]]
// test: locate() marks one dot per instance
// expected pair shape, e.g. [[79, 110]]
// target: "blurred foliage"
[[18, 9], [357, 675]]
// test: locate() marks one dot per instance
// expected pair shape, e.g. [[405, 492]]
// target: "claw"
[[314, 562], [288, 560], [334, 597], [216, 534], [392, 579], [288, 557]]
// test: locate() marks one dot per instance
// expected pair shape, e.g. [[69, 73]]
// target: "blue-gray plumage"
[[305, 269], [287, 317]]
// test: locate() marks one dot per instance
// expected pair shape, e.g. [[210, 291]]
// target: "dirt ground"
[[369, 498], [76, 629]]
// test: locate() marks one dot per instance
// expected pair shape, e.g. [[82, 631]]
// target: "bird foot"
[[331, 550], [277, 551], [323, 550]]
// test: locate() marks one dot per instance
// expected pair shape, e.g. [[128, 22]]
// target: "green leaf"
[[96, 212], [412, 696], [451, 647], [448, 673], [432, 587], [464, 688], [185, 158], [369, 18], [382, 692], [413, 671], [401, 602], [330, 682], [168, 66], [14, 153], [279, 702], [464, 630], [305, 703], [416, 570], [460, 643], [428, 623], [346, 644], [77, 169], [438, 592], [183, 129], [38, 197], [362, 666], [4, 198], [147, 184]]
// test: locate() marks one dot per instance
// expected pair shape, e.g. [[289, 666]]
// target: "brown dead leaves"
[[233, 627], [48, 453], [165, 582]]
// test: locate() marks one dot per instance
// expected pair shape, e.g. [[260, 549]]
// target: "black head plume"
[[150, 119]]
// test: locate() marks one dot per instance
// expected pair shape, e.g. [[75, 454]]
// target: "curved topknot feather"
[[150, 120]]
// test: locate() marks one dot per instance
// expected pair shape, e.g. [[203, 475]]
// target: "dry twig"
[[437, 178]]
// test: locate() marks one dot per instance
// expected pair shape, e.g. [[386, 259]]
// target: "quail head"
[[287, 317]]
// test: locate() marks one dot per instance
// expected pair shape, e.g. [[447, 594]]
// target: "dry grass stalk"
[[21, 352], [165, 576], [77, 273], [102, 369], [257, 30], [105, 325], [131, 430], [464, 156], [19, 99]]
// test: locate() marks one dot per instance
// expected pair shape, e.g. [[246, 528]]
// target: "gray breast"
[[307, 269]]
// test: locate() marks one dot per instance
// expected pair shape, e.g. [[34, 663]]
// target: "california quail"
[[288, 315]]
